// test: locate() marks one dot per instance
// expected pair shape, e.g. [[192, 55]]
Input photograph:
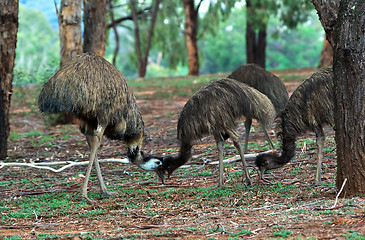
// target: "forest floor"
[[41, 204]]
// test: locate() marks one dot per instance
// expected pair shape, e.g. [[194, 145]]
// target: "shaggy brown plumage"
[[264, 81], [310, 108], [97, 93], [268, 84], [214, 110]]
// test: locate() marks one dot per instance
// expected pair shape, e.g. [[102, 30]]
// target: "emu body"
[[214, 110], [91, 88], [268, 84], [309, 108]]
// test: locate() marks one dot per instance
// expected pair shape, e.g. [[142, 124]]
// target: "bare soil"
[[188, 206]]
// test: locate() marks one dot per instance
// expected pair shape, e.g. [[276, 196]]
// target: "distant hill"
[[46, 6]]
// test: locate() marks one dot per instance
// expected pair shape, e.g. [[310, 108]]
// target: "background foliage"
[[222, 49]]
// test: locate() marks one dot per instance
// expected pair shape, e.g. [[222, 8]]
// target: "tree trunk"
[[95, 26], [250, 43], [143, 59], [191, 27], [8, 37], [346, 35], [3, 134], [255, 42], [326, 55], [349, 76], [69, 19]]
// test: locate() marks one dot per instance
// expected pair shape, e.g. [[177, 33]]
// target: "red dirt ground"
[[178, 209]]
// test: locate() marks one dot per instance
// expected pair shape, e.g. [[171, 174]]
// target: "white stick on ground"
[[238, 158], [45, 165]]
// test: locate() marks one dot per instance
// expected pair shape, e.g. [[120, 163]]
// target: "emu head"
[[147, 163], [268, 161], [168, 166]]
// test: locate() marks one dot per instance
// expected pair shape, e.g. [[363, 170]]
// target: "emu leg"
[[248, 124], [320, 144], [103, 188], [220, 146], [95, 143], [268, 138], [238, 146]]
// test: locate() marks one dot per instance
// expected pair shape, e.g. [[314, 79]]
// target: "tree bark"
[[3, 134], [349, 81], [69, 19], [95, 26], [191, 28], [255, 40], [143, 59], [326, 55], [327, 11], [346, 35], [8, 37]]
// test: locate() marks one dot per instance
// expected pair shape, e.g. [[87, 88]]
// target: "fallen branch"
[[238, 157], [339, 193], [45, 165]]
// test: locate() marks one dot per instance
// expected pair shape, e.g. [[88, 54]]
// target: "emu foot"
[[107, 193], [85, 197], [247, 181], [265, 181]]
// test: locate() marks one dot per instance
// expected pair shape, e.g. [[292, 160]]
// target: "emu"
[[97, 93], [267, 83], [310, 108], [214, 110]]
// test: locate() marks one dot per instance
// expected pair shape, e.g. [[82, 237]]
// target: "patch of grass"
[[202, 173], [46, 205], [92, 213], [291, 78], [353, 235], [283, 233]]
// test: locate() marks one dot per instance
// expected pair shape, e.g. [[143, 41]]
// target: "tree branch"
[[129, 17], [198, 6]]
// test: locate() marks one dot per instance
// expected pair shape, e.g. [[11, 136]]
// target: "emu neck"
[[288, 148]]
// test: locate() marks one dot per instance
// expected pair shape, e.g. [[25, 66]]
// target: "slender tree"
[[291, 13], [143, 59], [114, 26], [191, 30], [255, 42], [9, 11], [95, 26], [344, 24]]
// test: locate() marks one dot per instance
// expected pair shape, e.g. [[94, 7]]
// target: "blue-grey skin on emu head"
[[97, 93]]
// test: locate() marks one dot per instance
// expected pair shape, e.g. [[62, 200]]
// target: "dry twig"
[[45, 165]]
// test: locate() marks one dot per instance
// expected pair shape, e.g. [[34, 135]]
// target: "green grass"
[[283, 233], [352, 235]]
